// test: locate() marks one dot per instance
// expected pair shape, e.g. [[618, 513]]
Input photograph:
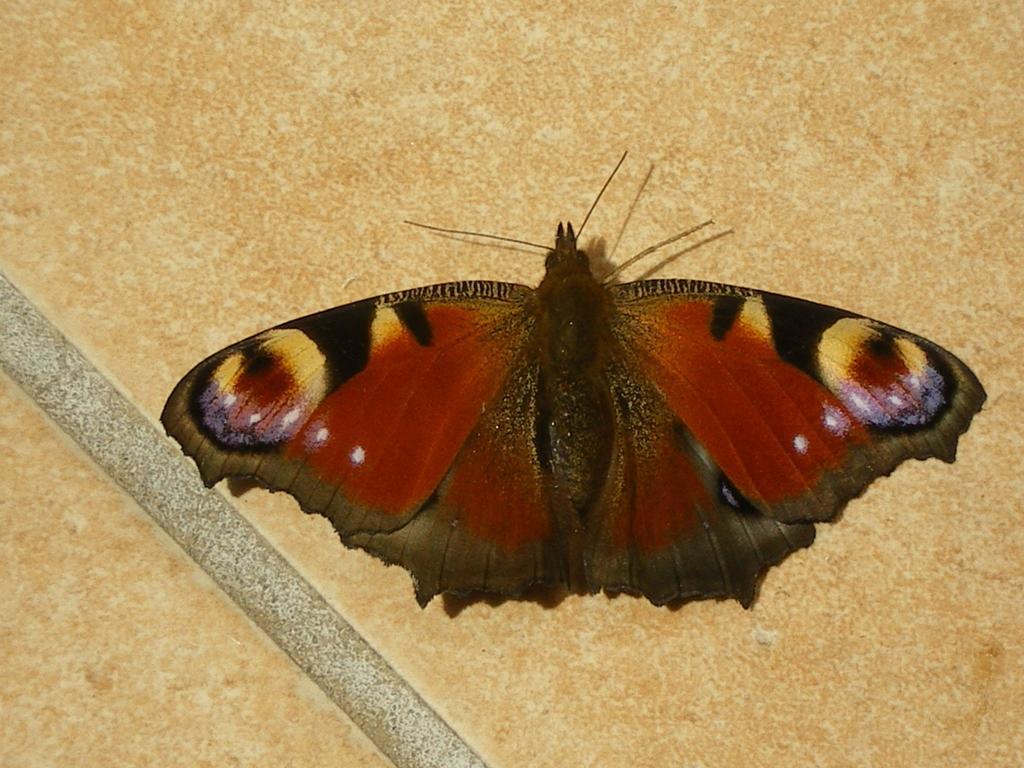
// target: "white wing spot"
[[291, 417], [357, 456], [895, 399], [255, 417], [229, 399], [800, 444], [321, 434]]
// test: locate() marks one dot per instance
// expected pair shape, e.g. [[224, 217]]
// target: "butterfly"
[[669, 438]]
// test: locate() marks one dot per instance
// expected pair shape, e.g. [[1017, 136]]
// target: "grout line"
[[130, 449]]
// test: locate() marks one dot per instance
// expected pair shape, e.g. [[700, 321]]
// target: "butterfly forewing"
[[799, 404]]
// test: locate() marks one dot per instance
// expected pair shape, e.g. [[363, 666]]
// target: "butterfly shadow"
[[239, 486]]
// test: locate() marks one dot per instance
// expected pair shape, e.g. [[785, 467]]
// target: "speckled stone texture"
[[173, 178]]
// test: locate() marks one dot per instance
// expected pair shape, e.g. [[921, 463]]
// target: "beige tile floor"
[[117, 649], [173, 180]]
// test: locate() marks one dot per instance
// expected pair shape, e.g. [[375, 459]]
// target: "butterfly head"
[[565, 253]]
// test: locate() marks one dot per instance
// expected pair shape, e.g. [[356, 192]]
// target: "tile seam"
[[135, 455]]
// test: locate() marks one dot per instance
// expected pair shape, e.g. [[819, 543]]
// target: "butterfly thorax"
[[574, 428]]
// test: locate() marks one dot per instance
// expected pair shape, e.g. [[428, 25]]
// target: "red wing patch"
[[661, 499], [498, 492], [389, 434]]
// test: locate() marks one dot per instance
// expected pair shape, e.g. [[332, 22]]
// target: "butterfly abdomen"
[[575, 425]]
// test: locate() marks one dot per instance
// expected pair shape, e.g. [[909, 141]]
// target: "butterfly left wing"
[[760, 415], [391, 417]]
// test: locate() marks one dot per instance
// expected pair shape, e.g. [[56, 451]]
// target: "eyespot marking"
[[260, 394], [883, 380]]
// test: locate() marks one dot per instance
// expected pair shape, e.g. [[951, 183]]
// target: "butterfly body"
[[573, 337], [670, 438]]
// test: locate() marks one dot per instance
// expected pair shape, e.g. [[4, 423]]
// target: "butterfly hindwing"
[[390, 417], [494, 523], [799, 404], [664, 525]]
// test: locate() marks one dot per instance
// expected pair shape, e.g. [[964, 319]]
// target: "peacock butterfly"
[[671, 438]]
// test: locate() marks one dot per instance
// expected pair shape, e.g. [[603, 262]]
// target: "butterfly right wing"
[[400, 419]]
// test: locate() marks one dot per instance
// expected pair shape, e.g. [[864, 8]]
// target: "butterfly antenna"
[[669, 259], [630, 212], [467, 233], [598, 198], [657, 246]]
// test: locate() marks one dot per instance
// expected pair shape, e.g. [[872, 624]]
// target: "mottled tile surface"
[[172, 180]]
